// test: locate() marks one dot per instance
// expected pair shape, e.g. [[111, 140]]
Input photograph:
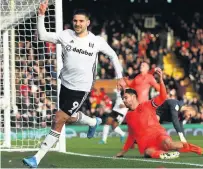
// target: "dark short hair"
[[129, 91], [82, 12]]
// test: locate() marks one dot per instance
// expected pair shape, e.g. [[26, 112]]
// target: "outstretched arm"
[[43, 34], [129, 142], [106, 49], [159, 100], [153, 82]]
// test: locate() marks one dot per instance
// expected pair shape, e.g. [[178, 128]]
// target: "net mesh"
[[2, 104], [33, 72]]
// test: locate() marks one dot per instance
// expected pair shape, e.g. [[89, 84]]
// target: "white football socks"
[[49, 141], [105, 132], [182, 138], [83, 119], [119, 131]]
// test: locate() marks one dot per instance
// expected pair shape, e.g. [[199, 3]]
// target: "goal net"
[[28, 75]]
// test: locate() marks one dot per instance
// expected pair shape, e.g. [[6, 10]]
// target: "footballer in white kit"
[[80, 55], [114, 119], [119, 109]]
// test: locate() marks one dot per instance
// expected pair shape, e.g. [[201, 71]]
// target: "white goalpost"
[[29, 68]]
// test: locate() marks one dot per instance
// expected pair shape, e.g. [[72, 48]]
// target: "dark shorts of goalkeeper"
[[70, 101]]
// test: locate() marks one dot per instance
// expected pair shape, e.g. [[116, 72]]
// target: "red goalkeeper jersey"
[[142, 122], [142, 83]]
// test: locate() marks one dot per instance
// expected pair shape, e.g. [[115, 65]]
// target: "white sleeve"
[[43, 34], [106, 49]]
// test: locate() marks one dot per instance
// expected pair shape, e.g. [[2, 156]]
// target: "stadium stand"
[[133, 43]]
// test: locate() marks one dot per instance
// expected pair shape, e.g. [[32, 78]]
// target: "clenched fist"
[[43, 7]]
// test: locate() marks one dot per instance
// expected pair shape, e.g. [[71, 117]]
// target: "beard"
[[127, 105], [78, 30]]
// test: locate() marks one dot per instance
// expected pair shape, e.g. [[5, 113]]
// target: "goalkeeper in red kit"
[[144, 127]]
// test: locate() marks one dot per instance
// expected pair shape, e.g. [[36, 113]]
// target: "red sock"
[[156, 154], [187, 147]]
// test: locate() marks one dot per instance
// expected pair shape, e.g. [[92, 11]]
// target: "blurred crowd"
[[151, 47], [189, 51], [36, 83], [36, 68]]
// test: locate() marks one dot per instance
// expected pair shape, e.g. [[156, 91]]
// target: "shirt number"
[[75, 105]]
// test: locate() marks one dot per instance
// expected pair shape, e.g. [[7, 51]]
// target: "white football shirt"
[[80, 56]]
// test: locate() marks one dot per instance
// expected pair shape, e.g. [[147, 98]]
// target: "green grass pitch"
[[87, 153]]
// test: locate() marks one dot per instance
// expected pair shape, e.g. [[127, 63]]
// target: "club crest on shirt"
[[91, 45]]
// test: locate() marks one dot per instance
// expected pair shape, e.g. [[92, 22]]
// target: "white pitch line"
[[134, 159]]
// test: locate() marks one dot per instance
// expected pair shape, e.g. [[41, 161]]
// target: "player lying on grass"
[[144, 127], [80, 51], [142, 84], [174, 111], [114, 119]]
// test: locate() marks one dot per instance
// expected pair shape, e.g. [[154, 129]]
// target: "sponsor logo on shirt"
[[68, 48], [80, 51]]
